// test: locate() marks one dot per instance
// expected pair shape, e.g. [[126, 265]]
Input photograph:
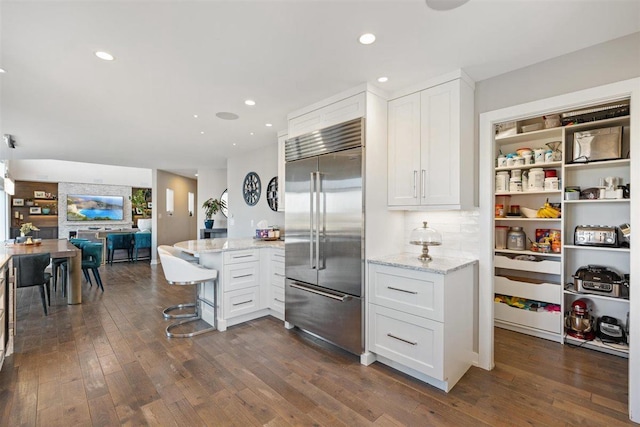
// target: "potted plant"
[[139, 204], [25, 229], [211, 207]]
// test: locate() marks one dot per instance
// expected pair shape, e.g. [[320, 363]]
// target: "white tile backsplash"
[[460, 232]]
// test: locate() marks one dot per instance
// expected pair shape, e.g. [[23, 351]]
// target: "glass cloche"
[[425, 236]]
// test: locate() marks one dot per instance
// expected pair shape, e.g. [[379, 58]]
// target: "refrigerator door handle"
[[338, 297], [318, 213], [311, 193]]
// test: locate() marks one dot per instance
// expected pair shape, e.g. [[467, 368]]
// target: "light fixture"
[[105, 56], [250, 102], [9, 140], [367, 38], [224, 115], [191, 203], [250, 133], [425, 236], [201, 132], [234, 144], [169, 201], [383, 79], [195, 116], [268, 125], [9, 186], [445, 4], [2, 70]]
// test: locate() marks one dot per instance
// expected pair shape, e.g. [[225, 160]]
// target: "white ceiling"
[[175, 59]]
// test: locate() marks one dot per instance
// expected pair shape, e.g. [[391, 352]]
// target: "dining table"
[[58, 248]]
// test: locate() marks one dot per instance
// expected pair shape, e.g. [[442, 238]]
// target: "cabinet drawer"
[[412, 341], [544, 320], [277, 274], [414, 292], [545, 292], [234, 257], [241, 301], [276, 302], [277, 255], [239, 276], [545, 266]]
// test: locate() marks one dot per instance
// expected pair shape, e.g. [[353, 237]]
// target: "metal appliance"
[[579, 322], [324, 242], [610, 331], [596, 235], [596, 279], [597, 144]]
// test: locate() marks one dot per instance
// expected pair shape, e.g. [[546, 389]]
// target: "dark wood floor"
[[107, 362]]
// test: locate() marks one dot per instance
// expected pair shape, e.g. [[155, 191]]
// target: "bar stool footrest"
[[168, 315], [187, 334]]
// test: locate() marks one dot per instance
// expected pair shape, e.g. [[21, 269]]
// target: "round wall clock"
[[251, 188], [272, 194]]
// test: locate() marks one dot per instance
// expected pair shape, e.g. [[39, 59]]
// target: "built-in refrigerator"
[[324, 242]]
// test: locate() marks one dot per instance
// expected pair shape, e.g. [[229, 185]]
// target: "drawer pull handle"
[[279, 300], [278, 274], [243, 302], [243, 275], [241, 256], [401, 290], [402, 339]]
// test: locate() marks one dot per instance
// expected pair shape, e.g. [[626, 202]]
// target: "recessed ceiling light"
[[268, 125], [367, 38], [383, 79], [226, 115], [445, 4], [201, 132], [250, 102], [196, 174], [195, 116], [2, 70], [104, 55], [250, 133], [234, 144]]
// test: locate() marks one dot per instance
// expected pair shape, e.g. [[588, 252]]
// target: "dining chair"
[[141, 240], [30, 270], [91, 260], [119, 241]]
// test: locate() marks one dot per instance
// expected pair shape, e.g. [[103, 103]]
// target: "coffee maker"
[[579, 322]]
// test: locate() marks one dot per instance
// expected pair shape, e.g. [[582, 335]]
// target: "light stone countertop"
[[200, 246], [439, 264]]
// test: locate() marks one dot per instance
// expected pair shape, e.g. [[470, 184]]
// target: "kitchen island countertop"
[[439, 264], [200, 246]]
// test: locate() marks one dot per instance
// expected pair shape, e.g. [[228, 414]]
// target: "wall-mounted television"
[[81, 207]]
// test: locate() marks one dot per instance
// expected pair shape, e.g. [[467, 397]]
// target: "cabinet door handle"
[[401, 339], [279, 300], [278, 274], [241, 256], [243, 302], [401, 290], [242, 275], [424, 182], [415, 184]]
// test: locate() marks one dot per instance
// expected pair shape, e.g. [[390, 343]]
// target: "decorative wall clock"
[[272, 194], [251, 188]]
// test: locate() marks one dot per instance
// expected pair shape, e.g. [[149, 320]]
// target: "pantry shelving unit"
[[548, 277]]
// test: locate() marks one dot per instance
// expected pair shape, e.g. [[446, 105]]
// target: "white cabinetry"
[[335, 112], [416, 323], [276, 283], [6, 324], [282, 138], [430, 148]]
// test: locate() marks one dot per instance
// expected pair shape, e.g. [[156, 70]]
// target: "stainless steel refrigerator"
[[324, 240]]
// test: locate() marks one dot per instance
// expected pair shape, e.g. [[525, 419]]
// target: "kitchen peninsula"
[[250, 278]]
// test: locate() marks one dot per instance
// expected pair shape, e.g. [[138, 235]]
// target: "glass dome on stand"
[[425, 236]]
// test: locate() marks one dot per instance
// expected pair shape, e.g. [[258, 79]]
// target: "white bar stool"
[[179, 271]]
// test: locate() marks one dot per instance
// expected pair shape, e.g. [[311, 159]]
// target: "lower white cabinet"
[[276, 283], [421, 322]]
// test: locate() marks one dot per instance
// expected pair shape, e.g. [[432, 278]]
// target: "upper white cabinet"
[[431, 148], [313, 118]]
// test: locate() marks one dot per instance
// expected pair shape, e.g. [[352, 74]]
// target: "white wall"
[[211, 184], [242, 217]]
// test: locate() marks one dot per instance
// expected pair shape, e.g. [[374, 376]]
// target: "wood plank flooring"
[[107, 362]]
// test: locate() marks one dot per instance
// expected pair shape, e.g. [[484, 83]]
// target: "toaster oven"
[[596, 235]]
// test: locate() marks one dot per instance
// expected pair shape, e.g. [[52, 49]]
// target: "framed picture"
[[39, 194], [18, 202], [138, 211], [149, 205], [35, 210]]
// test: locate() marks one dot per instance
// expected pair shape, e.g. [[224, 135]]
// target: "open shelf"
[[599, 164], [533, 165], [596, 248], [540, 254], [621, 350]]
